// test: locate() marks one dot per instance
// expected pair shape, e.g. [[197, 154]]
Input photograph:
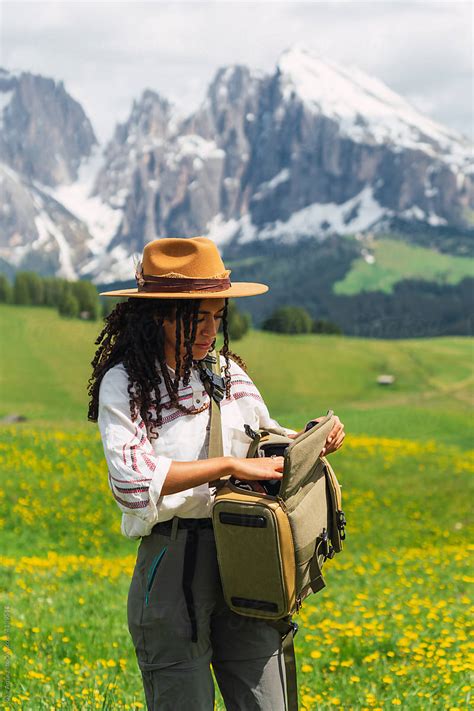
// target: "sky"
[[108, 52]]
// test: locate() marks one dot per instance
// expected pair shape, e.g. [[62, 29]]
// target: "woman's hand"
[[334, 439], [257, 467]]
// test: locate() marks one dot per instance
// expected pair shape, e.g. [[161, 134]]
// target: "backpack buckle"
[[250, 432], [341, 523], [213, 383], [294, 627], [325, 543]]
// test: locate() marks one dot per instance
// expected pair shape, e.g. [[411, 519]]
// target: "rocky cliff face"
[[311, 150], [44, 136], [37, 233], [44, 132]]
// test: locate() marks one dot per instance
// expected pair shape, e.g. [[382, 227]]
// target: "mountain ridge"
[[313, 149]]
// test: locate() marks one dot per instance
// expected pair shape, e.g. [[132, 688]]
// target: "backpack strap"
[[215, 387], [216, 448]]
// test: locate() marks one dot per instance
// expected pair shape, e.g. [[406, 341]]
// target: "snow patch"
[[264, 188], [315, 220], [318, 218], [248, 231], [101, 219], [416, 213], [46, 229], [221, 231], [369, 258], [116, 265], [436, 220], [194, 145]]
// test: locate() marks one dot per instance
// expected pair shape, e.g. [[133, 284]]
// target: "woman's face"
[[209, 319]]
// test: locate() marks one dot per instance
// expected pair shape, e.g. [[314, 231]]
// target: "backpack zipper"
[[258, 494]]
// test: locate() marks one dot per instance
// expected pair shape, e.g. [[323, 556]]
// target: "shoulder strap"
[[215, 435], [216, 448]]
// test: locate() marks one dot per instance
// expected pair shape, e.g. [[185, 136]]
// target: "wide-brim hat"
[[180, 268]]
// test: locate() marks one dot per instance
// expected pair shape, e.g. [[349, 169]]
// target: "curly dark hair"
[[133, 334]]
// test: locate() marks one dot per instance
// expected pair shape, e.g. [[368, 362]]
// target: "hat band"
[[161, 284]]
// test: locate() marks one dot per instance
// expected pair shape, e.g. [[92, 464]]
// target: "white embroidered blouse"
[[137, 465]]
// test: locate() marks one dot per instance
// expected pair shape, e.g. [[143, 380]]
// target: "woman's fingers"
[[276, 467], [335, 444], [338, 427], [261, 468], [335, 438]]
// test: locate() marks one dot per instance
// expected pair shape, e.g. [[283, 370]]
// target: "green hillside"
[[396, 260], [45, 365], [421, 289]]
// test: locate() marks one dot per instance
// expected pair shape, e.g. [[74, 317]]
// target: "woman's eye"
[[218, 318]]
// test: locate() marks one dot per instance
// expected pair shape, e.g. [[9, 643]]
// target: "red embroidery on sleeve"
[[143, 446]]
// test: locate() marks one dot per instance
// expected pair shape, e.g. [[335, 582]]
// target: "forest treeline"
[[80, 299]]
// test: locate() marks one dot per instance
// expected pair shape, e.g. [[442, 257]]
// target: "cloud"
[[107, 53]]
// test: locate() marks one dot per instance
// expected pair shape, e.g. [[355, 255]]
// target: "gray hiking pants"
[[167, 611]]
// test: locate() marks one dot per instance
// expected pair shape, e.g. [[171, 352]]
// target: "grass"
[[396, 260], [391, 626], [300, 377]]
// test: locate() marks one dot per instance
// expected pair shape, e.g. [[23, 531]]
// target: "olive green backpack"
[[271, 547]]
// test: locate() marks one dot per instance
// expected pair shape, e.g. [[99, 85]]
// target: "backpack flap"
[[302, 454], [312, 497]]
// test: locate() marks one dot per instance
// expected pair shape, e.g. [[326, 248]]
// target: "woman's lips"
[[203, 345]]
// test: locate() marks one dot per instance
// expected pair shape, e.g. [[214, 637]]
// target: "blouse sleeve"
[[136, 473], [261, 408], [267, 421]]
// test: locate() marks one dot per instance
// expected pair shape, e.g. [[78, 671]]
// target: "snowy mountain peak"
[[339, 91], [365, 108]]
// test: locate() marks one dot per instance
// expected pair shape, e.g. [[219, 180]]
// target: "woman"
[[148, 394]]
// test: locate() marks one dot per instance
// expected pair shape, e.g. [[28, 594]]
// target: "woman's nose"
[[210, 327]]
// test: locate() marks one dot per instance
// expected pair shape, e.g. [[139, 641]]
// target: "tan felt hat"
[[180, 268]]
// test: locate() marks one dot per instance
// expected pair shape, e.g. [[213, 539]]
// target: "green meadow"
[[391, 627], [396, 260]]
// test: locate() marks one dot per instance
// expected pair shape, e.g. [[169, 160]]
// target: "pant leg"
[[247, 661], [252, 684], [175, 671]]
